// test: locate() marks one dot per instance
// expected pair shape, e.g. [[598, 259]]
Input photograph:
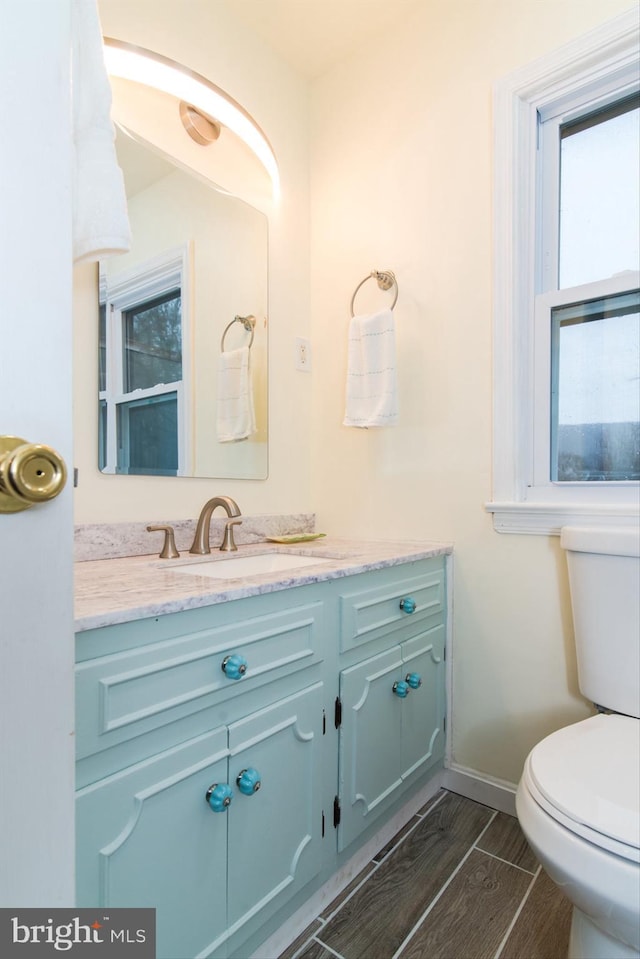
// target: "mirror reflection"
[[183, 329]]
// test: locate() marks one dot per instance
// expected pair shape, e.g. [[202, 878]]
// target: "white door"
[[36, 623]]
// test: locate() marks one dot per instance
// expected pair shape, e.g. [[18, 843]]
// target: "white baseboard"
[[492, 792]]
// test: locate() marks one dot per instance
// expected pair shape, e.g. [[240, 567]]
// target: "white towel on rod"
[[100, 218], [236, 419], [372, 394]]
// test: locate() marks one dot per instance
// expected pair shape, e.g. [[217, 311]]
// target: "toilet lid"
[[590, 774]]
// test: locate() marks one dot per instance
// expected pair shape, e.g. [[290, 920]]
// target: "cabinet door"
[[147, 837], [423, 710], [275, 834], [387, 740], [370, 757]]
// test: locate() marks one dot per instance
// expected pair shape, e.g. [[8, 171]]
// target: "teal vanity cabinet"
[[232, 758], [198, 792], [392, 690]]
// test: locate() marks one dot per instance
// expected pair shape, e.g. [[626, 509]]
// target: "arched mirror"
[[183, 316]]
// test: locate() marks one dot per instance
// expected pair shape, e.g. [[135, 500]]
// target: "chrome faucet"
[[200, 543]]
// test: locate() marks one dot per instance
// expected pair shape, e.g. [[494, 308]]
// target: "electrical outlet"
[[303, 354]]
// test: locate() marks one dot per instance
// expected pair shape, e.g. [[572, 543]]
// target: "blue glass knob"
[[248, 781], [219, 796], [234, 667], [414, 680], [408, 605], [401, 689]]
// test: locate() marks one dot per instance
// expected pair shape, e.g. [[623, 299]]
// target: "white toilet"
[[578, 801]]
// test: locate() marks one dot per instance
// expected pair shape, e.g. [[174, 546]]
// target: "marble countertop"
[[120, 590]]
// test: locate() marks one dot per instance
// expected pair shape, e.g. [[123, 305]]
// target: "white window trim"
[[625, 493], [150, 279], [518, 98]]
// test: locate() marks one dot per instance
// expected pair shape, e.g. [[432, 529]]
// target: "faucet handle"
[[168, 550], [228, 542]]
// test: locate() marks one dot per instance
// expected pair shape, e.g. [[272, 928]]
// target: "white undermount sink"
[[234, 566]]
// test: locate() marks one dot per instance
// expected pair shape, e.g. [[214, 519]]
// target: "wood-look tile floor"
[[458, 882]]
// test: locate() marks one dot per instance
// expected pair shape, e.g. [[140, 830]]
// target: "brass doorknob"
[[29, 473]]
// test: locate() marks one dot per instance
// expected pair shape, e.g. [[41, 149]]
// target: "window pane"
[[596, 390], [152, 343], [102, 434], [102, 347], [599, 196], [148, 436]]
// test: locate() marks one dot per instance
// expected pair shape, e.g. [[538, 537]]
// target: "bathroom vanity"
[[239, 739]]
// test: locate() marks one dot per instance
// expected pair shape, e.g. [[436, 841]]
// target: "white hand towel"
[[235, 415], [100, 219], [372, 395]]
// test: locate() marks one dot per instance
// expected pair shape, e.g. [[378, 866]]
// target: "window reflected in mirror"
[[198, 260]]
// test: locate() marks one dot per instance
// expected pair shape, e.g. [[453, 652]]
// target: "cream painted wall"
[[226, 243], [402, 180], [209, 38]]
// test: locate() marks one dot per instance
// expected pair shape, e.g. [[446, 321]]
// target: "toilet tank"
[[604, 579]]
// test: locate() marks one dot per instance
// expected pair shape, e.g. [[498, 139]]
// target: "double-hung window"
[[142, 409], [567, 287]]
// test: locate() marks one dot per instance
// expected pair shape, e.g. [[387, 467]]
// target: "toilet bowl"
[[577, 803], [578, 800]]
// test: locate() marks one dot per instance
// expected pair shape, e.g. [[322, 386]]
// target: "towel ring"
[[385, 279], [249, 323]]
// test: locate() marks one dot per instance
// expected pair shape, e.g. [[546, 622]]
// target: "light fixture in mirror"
[[130, 62], [178, 396]]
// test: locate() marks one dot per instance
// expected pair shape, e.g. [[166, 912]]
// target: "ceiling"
[[312, 35]]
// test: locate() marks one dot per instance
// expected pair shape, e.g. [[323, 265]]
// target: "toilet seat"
[[586, 776]]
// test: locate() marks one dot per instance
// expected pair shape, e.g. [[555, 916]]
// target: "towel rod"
[[249, 323], [385, 279]]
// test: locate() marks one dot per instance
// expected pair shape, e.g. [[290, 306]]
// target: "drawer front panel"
[[366, 615], [136, 691]]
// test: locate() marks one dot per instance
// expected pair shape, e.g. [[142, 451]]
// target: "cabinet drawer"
[[137, 690], [367, 614]]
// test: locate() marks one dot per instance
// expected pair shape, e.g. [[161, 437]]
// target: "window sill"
[[545, 519]]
